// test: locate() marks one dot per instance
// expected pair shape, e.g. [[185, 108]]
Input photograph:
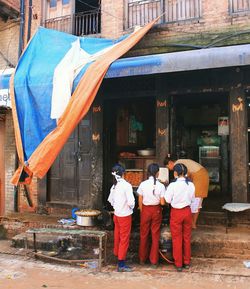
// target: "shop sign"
[[4, 87], [223, 125], [5, 98]]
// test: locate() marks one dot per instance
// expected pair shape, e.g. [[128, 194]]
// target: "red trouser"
[[121, 236], [181, 227], [151, 217]]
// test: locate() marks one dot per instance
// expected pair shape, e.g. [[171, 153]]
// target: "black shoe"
[[186, 266], [124, 269]]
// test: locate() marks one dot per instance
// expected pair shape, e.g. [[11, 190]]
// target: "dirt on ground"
[[23, 272]]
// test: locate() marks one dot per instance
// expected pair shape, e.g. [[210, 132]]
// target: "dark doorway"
[[129, 125], [196, 136]]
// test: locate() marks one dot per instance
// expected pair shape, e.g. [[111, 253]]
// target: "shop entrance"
[[129, 126], [200, 132], [69, 179]]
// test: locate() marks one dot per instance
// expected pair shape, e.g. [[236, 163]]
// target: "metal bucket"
[[85, 220], [166, 244]]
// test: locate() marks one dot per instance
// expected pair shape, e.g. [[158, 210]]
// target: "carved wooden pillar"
[[238, 144], [97, 154], [162, 121]]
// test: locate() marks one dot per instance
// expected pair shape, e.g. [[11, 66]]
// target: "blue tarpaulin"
[[54, 85]]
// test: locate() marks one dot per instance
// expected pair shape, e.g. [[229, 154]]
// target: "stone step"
[[207, 242], [212, 218]]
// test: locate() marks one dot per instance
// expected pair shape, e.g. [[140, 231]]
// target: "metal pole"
[[29, 20], [20, 49], [21, 30]]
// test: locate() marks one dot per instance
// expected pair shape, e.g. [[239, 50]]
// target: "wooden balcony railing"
[[84, 23], [140, 12], [239, 6]]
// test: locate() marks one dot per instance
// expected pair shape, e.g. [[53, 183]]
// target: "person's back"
[[191, 165], [199, 175]]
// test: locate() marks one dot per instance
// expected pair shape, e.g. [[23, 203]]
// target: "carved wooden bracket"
[[161, 103], [162, 132], [238, 106], [97, 109], [96, 137]]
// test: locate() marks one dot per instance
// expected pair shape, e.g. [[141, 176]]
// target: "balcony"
[[140, 12], [79, 24], [239, 6]]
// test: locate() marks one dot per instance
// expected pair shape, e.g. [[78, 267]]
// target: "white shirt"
[[121, 198], [180, 194], [146, 189]]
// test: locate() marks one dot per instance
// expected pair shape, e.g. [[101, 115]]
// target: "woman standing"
[[122, 200], [151, 197], [181, 194]]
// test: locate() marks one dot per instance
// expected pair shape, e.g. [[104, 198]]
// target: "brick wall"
[[112, 18], [9, 40], [216, 22], [9, 43], [10, 155]]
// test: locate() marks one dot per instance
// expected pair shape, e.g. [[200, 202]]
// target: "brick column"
[[112, 18]]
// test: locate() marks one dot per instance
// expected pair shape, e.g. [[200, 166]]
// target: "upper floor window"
[[238, 6], [52, 3], [140, 12], [86, 19]]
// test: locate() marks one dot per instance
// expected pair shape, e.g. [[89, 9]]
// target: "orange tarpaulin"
[[45, 154]]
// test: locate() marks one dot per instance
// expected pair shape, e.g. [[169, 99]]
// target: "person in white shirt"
[[181, 194], [151, 197], [199, 176], [122, 199]]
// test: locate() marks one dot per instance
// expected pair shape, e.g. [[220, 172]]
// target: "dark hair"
[[153, 169], [118, 170], [181, 169], [168, 159]]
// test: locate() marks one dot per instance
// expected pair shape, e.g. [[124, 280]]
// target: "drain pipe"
[[21, 30], [20, 49], [29, 20]]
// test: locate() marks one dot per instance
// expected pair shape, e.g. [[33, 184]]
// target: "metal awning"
[[209, 58]]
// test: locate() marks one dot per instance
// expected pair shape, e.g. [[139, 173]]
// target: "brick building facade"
[[211, 23]]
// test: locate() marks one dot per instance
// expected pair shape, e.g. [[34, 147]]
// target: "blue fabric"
[[4, 81], [34, 78]]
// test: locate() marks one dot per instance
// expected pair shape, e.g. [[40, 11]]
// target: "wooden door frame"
[[2, 167]]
